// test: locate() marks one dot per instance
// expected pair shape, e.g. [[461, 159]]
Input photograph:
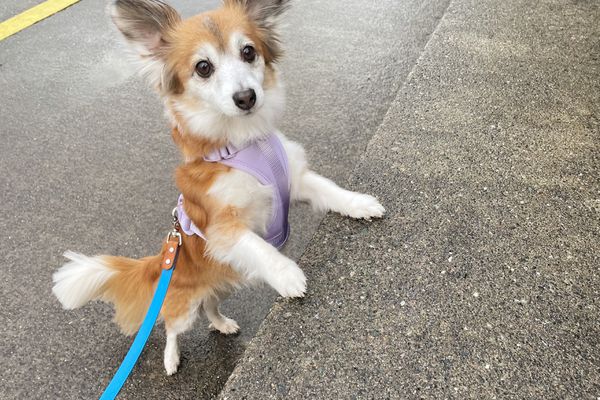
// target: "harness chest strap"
[[266, 161]]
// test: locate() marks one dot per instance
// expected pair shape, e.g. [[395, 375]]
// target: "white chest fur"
[[243, 191]]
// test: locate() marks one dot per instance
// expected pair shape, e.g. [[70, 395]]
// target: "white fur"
[[171, 357], [218, 321], [255, 259], [80, 280], [245, 192], [208, 121], [147, 65], [213, 113], [323, 194], [231, 75]]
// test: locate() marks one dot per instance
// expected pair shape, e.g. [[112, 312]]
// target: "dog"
[[217, 75]]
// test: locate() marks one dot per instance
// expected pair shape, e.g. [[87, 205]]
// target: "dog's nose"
[[245, 99]]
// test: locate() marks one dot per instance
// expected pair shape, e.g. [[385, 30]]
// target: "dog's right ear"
[[147, 25]]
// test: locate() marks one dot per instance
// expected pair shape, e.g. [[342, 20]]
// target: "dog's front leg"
[[256, 259], [322, 193], [325, 195], [225, 217]]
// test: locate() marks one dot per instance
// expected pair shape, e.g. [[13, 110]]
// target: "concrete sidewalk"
[[482, 281]]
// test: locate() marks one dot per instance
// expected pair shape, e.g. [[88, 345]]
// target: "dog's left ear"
[[266, 15]]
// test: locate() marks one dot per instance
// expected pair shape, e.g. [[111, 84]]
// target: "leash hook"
[[175, 232]]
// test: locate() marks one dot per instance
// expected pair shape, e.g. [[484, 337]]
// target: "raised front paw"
[[364, 206], [288, 279]]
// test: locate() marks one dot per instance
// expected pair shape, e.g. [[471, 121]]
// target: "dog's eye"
[[249, 54], [204, 69]]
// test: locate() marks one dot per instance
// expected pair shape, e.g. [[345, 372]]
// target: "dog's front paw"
[[226, 326], [288, 279], [365, 206]]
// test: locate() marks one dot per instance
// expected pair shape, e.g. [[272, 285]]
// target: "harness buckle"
[[227, 152]]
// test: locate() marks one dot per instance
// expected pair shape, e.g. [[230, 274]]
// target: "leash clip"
[[175, 232]]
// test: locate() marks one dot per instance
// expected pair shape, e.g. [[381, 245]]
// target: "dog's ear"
[[266, 14], [146, 25]]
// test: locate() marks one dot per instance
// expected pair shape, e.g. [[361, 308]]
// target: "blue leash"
[[168, 264]]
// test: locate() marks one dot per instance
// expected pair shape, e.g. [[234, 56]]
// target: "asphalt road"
[[87, 165]]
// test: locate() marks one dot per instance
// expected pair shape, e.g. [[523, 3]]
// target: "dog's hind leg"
[[218, 321], [174, 327]]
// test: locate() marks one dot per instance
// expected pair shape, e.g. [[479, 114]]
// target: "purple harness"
[[266, 161]]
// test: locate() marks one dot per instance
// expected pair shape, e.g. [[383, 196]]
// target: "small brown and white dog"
[[216, 73]]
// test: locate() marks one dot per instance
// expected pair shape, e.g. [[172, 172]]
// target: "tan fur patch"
[[195, 277], [193, 147]]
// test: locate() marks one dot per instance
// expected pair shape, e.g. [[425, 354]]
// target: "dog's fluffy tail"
[[126, 283]]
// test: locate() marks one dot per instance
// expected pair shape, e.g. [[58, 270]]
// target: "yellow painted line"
[[33, 15]]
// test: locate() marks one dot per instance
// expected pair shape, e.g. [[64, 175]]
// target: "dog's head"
[[215, 70]]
